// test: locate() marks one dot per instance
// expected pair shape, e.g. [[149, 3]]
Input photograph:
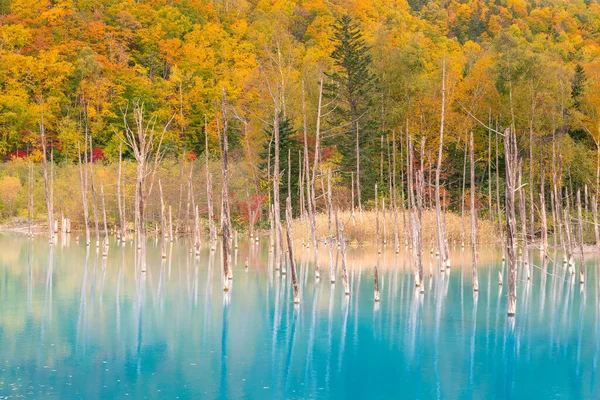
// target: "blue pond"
[[76, 325]]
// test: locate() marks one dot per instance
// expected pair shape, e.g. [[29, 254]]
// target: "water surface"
[[76, 325]]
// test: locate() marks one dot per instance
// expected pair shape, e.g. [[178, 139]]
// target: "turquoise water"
[[75, 325]]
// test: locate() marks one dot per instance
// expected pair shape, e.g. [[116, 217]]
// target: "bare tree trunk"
[[419, 185], [105, 241], [94, 202], [581, 257], [498, 205], [462, 197], [330, 225], [358, 191], [119, 194], [84, 193], [340, 230], [276, 203], [569, 233], [511, 155], [531, 198], [490, 208], [47, 184], [313, 198], [523, 217], [212, 232], [438, 206], [376, 283], [190, 199], [377, 238], [595, 215], [145, 145], [395, 195], [226, 209], [544, 238], [290, 241], [473, 216], [163, 223], [30, 196], [181, 186]]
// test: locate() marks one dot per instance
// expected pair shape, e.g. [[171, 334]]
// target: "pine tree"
[[351, 86], [578, 86]]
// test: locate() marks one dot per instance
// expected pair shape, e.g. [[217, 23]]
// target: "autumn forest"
[[122, 108]]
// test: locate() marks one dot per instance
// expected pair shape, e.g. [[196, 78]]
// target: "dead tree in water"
[[83, 178], [376, 278], [441, 234], [146, 146], [30, 198], [105, 240], [209, 198], [119, 195], [163, 223], [276, 201], [581, 258], [227, 270], [93, 188], [473, 216], [290, 242], [47, 183], [511, 156], [569, 233], [523, 217], [340, 231], [395, 195], [313, 196], [595, 215], [330, 225], [544, 238], [377, 239]]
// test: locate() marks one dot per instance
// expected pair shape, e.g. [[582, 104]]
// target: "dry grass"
[[362, 229]]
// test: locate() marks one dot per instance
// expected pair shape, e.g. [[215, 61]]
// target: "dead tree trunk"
[[569, 233], [312, 184], [147, 150], [330, 224], [395, 195], [209, 195], [358, 191], [511, 156], [83, 178], [595, 215], [377, 238], [441, 235], [473, 216], [498, 204], [523, 216], [376, 283], [47, 183], [276, 202], [581, 257], [105, 241], [462, 197], [226, 209], [94, 202], [122, 233], [544, 235], [163, 223], [290, 242], [30, 197], [340, 230]]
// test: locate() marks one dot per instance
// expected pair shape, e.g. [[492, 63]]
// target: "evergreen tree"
[[578, 86], [351, 87]]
